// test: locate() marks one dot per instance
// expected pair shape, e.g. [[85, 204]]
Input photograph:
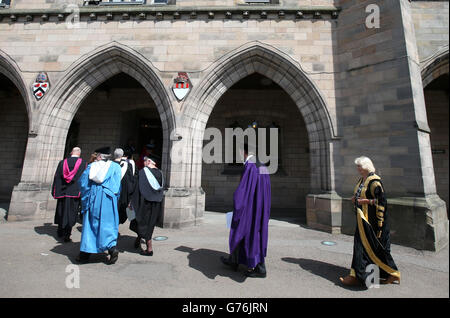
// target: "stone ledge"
[[158, 12], [420, 223]]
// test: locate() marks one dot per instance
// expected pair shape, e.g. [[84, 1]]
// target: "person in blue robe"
[[100, 190]]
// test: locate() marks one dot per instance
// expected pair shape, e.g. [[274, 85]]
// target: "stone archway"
[[436, 67], [60, 106], [10, 69], [15, 118], [287, 73], [435, 78]]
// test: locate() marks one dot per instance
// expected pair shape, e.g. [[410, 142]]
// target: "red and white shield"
[[40, 86], [181, 86]]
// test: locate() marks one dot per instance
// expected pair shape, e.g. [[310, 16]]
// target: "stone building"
[[335, 84]]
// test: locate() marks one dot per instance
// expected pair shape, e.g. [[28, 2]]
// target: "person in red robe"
[[66, 190]]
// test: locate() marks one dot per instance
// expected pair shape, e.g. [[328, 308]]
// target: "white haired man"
[[372, 242], [66, 190]]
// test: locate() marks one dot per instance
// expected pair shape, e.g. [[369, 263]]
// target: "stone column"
[[31, 197], [184, 201], [382, 115]]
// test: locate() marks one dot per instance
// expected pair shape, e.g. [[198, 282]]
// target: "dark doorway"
[[119, 112], [13, 138], [437, 103]]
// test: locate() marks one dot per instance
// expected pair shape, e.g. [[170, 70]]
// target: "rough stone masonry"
[[350, 90]]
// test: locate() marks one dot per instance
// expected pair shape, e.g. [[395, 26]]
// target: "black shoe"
[[146, 253], [254, 273], [137, 243], [228, 262], [59, 233], [67, 239], [83, 258], [114, 255]]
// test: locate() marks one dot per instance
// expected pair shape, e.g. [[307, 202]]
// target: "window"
[[114, 2], [126, 2], [5, 3], [262, 1]]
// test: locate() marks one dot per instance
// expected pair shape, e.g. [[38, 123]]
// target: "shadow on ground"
[[328, 271], [71, 249], [208, 263], [48, 229], [125, 243]]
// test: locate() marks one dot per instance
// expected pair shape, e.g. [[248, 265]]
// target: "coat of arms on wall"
[[181, 86], [41, 85]]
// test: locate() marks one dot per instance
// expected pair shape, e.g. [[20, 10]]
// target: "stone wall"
[[290, 184], [382, 115], [359, 91], [431, 27]]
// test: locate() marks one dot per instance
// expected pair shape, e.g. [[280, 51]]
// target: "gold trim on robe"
[[368, 248]]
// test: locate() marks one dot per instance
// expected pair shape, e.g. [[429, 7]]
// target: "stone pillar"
[[183, 207], [184, 201], [382, 115], [323, 212], [31, 198]]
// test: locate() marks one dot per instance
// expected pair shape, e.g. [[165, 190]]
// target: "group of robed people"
[[106, 192], [108, 188]]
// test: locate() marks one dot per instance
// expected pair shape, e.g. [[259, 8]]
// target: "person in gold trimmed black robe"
[[372, 236]]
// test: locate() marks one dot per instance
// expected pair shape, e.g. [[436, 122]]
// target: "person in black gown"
[[372, 243], [146, 202], [66, 190], [127, 184]]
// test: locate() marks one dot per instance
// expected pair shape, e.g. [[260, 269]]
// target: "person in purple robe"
[[65, 189], [250, 222]]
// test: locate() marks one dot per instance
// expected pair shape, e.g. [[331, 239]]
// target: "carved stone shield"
[[181, 86], [41, 85]]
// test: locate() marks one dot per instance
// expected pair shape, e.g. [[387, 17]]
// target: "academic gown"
[[127, 188], [66, 190], [250, 222], [146, 202], [100, 210], [372, 241]]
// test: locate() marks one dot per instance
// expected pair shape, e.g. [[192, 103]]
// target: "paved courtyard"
[[33, 264]]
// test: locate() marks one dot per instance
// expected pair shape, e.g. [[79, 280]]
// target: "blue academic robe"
[[100, 212]]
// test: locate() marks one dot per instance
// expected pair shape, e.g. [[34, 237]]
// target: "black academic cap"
[[127, 152], [155, 158], [104, 150], [150, 146]]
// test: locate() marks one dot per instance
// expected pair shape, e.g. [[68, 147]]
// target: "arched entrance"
[[15, 119], [436, 92], [257, 101], [118, 113], [287, 74], [13, 138], [59, 108]]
